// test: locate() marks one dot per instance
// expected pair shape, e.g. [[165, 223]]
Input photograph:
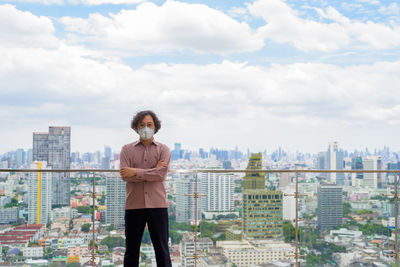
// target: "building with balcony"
[[39, 194], [115, 201], [330, 206], [54, 147]]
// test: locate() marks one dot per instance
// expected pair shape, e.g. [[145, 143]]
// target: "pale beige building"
[[248, 253]]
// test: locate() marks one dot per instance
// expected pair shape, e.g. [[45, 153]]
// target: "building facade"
[[115, 201], [330, 206], [54, 147], [219, 191], [39, 194]]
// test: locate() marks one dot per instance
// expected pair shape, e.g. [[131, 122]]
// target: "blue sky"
[[255, 74]]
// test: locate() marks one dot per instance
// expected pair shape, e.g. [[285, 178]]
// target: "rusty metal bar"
[[297, 195], [396, 220]]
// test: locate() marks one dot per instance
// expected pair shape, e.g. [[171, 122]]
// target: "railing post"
[[93, 218], [296, 254], [396, 219]]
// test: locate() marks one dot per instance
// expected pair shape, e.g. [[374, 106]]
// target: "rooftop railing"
[[392, 191]]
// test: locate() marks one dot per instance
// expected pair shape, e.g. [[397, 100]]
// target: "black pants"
[[157, 223]]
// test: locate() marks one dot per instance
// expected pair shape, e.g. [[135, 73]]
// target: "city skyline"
[[218, 73]]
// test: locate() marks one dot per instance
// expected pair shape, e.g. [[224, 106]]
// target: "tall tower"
[[254, 180], [371, 179], [262, 209], [219, 190], [334, 158], [55, 148], [39, 194], [185, 210], [115, 201], [330, 206]]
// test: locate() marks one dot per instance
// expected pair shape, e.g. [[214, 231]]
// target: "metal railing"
[[196, 195]]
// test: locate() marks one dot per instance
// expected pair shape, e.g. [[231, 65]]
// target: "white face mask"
[[146, 133]]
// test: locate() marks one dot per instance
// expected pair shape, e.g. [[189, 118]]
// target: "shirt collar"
[[152, 142]]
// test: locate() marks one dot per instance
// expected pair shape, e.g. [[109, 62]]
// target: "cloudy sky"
[[255, 74]]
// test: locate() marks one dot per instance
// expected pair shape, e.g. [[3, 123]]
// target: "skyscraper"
[[185, 205], [39, 194], [219, 189], [115, 201], [371, 179], [55, 148], [262, 214], [254, 180], [262, 209], [330, 206], [334, 160]]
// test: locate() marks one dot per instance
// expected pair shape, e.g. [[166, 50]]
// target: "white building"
[[115, 201], [247, 253], [64, 212], [187, 248], [39, 194], [219, 189], [370, 179], [185, 204], [32, 252]]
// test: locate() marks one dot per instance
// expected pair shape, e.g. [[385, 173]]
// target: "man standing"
[[144, 166]]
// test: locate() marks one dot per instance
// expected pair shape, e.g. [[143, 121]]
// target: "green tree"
[[110, 228], [289, 232], [85, 228], [346, 209], [113, 241]]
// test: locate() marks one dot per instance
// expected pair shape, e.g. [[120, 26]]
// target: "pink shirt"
[[146, 189]]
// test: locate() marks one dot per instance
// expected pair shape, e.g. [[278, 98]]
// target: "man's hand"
[[127, 172], [161, 164]]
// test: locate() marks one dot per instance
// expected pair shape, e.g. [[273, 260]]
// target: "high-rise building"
[[219, 190], [262, 209], [371, 179], [356, 164], [334, 161], [54, 147], [185, 205], [254, 180], [115, 201], [39, 194], [29, 157], [20, 157], [262, 214], [330, 206]]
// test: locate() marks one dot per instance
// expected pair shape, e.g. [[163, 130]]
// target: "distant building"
[[54, 147], [115, 201], [262, 214], [187, 248], [330, 206], [254, 180], [8, 215], [334, 161], [251, 253], [185, 205], [262, 209], [39, 194], [371, 179], [219, 191]]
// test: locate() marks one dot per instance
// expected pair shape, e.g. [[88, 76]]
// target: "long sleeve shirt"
[[145, 189]]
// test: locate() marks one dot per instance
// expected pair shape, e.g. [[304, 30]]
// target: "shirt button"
[[146, 192]]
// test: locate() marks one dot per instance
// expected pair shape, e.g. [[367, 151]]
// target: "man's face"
[[147, 121]]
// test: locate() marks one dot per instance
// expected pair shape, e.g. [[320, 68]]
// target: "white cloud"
[[285, 26], [392, 9], [78, 2], [174, 26], [23, 29], [201, 104]]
